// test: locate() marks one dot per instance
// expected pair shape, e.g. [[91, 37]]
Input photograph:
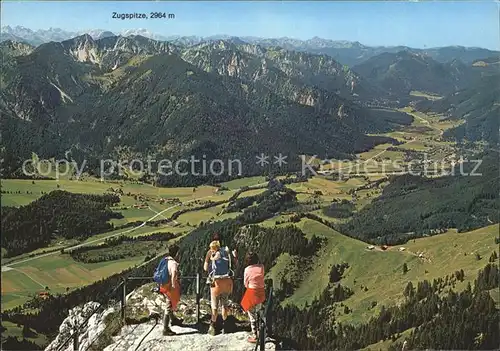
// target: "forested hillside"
[[405, 71], [478, 105], [57, 214], [436, 315], [411, 205]]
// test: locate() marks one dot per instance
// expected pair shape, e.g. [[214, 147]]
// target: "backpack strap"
[[229, 257]]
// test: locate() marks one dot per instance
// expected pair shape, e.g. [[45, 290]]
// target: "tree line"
[[441, 320], [411, 206], [57, 214]]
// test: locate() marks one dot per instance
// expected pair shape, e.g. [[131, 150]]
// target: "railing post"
[[265, 324], [262, 331], [76, 345], [198, 298], [269, 313], [124, 299]]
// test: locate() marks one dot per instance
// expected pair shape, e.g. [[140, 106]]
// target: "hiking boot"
[[229, 324], [174, 320], [211, 330], [252, 339], [166, 327], [168, 332]]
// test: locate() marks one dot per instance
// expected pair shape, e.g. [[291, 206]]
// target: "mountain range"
[[96, 98], [131, 95], [346, 52]]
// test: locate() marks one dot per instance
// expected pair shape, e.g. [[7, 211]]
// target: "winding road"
[[8, 267]]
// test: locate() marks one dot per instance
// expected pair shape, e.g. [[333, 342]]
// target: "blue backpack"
[[161, 275], [222, 266]]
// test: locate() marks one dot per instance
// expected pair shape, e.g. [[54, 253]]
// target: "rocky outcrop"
[[148, 337], [95, 326], [15, 48], [112, 51], [144, 326]]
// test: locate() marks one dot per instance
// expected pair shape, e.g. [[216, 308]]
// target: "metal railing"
[[264, 320], [197, 278]]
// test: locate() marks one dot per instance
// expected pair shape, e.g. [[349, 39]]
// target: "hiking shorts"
[[221, 300]]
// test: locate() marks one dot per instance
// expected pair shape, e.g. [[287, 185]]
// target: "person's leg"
[[224, 302], [214, 303], [166, 317], [252, 315]]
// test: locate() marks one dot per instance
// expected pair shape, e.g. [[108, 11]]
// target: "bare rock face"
[[144, 327], [95, 326], [148, 337], [143, 303]]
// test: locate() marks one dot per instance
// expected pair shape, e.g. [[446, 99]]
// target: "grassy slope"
[[92, 186], [14, 330], [381, 272], [57, 272], [238, 183]]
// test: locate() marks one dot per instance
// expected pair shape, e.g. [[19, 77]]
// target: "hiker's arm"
[[205, 264], [174, 276], [245, 278], [235, 258]]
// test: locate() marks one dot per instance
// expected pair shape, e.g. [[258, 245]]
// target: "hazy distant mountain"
[[98, 34], [352, 53], [40, 36], [144, 33], [346, 52], [32, 37]]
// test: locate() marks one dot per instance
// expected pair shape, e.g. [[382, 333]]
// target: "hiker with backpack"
[[255, 295], [167, 276], [218, 263]]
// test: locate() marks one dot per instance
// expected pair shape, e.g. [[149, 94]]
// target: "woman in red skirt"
[[255, 291]]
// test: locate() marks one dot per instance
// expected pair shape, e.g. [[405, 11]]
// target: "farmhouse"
[[43, 294]]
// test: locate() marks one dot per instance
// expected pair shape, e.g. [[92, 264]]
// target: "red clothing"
[[254, 282], [252, 297], [173, 292]]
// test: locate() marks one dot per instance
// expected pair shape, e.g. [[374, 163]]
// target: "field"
[[239, 183], [422, 136], [31, 192], [428, 96], [27, 275], [326, 186], [58, 272], [381, 271], [15, 331]]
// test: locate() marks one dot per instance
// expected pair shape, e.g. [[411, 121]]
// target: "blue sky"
[[416, 24]]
